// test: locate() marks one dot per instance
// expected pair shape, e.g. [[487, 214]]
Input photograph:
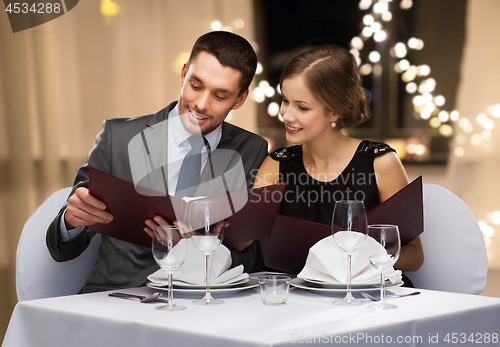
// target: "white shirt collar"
[[181, 134]]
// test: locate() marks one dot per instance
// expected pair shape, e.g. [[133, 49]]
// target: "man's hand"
[[184, 229], [159, 220], [152, 224], [85, 209]]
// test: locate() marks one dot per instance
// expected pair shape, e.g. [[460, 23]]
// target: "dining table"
[[309, 317]]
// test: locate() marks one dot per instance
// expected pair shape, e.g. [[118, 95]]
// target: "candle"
[[273, 298], [274, 289]]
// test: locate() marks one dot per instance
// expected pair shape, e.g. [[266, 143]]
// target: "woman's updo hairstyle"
[[331, 73]]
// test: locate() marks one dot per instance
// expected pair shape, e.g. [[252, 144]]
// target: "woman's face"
[[304, 116]]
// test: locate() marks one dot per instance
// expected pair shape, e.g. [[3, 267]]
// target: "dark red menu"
[[250, 213], [284, 241], [288, 246]]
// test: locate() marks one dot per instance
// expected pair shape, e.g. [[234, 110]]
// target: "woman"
[[322, 94]]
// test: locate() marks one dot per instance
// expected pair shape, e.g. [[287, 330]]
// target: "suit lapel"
[[154, 141]]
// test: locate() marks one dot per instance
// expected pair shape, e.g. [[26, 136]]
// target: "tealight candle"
[[273, 298], [274, 289]]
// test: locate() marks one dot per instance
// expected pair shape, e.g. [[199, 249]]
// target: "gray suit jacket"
[[121, 264]]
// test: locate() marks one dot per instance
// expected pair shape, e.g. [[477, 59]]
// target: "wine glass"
[[169, 251], [349, 232], [207, 231], [388, 237]]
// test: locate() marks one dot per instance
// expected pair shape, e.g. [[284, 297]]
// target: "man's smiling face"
[[208, 92]]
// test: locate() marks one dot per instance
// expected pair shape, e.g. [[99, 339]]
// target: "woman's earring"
[[333, 124]]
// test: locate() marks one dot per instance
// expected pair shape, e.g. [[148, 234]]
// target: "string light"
[[459, 152], [439, 100], [376, 27], [476, 140], [495, 217], [479, 134], [365, 4], [443, 116], [424, 70], [239, 23], [258, 95], [269, 92], [365, 69], [380, 36], [406, 4], [400, 50], [368, 20], [259, 69], [435, 122], [374, 57], [486, 135], [454, 116], [495, 110], [446, 130], [380, 7], [273, 109], [387, 16], [411, 87], [367, 32], [216, 25], [404, 64], [357, 43]]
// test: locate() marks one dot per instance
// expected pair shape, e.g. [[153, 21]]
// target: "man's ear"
[[184, 71], [241, 99]]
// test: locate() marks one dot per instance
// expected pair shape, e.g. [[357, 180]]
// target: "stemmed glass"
[[207, 232], [383, 260], [169, 251], [349, 232]]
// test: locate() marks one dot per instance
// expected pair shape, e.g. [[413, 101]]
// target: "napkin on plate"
[[326, 262], [193, 270]]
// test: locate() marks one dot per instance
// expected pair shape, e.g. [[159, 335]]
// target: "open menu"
[[250, 213], [287, 247]]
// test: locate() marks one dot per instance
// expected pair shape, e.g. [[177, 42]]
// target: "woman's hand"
[[160, 221]]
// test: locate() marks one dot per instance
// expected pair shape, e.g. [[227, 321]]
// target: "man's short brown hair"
[[230, 50]]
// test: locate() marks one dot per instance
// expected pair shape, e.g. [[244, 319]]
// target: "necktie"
[[189, 175]]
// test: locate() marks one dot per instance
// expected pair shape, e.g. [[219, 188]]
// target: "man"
[[214, 81]]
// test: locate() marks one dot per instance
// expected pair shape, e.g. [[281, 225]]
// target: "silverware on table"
[[144, 299], [369, 297]]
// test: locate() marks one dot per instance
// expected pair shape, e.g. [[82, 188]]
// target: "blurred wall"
[[473, 170], [60, 80]]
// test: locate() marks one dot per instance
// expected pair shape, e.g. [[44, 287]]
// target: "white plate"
[[325, 287], [178, 284], [250, 283], [341, 286]]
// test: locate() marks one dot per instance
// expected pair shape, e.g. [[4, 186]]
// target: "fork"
[[369, 297]]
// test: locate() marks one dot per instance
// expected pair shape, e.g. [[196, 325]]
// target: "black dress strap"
[[286, 153], [374, 149]]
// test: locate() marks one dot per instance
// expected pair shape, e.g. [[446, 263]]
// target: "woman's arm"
[[391, 178], [268, 173]]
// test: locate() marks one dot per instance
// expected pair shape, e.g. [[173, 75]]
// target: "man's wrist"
[[68, 234]]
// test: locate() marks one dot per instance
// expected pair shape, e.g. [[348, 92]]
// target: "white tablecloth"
[[307, 318]]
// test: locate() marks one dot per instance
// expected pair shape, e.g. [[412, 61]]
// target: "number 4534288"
[[34, 8], [472, 338]]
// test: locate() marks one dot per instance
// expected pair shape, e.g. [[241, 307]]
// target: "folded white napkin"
[[193, 269], [326, 262]]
